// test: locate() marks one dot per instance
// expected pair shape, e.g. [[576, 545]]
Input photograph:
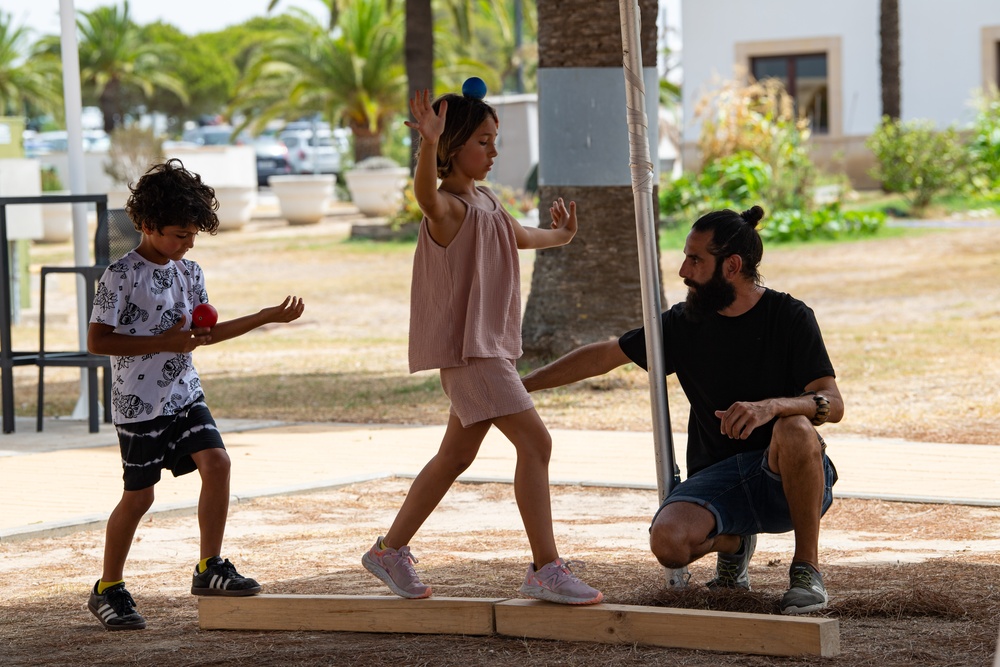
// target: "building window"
[[805, 78]]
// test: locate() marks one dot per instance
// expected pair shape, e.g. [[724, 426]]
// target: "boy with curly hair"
[[142, 319]]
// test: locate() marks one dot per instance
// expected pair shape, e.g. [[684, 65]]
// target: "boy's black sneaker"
[[221, 578], [115, 609]]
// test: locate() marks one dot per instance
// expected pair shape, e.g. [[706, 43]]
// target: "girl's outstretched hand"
[[564, 219], [430, 125], [289, 309]]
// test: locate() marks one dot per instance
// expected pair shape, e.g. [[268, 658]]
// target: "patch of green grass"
[[673, 235], [896, 204]]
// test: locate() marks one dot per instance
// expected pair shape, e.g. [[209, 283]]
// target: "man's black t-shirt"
[[773, 350]]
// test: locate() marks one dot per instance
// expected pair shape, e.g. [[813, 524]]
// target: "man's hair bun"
[[753, 216]]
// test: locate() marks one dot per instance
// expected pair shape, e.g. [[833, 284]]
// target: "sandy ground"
[[915, 586]]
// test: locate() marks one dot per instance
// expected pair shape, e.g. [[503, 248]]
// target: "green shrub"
[[728, 182], [50, 179], [758, 118], [984, 146], [828, 222], [917, 160]]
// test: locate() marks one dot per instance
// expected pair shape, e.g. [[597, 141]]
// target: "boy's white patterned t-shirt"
[[140, 298]]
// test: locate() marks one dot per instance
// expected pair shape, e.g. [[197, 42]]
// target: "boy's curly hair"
[[168, 194]]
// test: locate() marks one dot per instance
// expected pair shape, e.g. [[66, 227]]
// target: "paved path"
[[65, 478]]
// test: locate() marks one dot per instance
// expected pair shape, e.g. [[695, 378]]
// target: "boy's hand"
[[289, 309], [178, 339], [564, 219], [428, 124]]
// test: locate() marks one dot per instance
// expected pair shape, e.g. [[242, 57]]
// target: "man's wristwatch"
[[822, 407]]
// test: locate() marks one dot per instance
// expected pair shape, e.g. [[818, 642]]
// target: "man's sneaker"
[[807, 593], [221, 578], [115, 608], [731, 570], [556, 583], [395, 568]]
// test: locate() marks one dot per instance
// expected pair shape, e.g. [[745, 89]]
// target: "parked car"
[[214, 135], [272, 158], [319, 153], [57, 141]]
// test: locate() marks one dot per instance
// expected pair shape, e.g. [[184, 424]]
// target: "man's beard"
[[710, 297]]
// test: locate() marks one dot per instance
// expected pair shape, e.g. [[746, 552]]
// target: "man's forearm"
[[582, 363]]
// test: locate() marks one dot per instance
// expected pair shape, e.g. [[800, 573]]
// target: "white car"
[[319, 154]]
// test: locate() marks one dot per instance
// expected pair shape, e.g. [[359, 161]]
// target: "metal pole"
[[641, 165], [73, 100]]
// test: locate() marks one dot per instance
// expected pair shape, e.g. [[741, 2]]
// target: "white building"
[[827, 54]]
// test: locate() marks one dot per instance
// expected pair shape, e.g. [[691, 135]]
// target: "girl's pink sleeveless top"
[[465, 300]]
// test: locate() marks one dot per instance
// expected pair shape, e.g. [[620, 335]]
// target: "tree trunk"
[[889, 57], [366, 143], [419, 57], [110, 106], [589, 290]]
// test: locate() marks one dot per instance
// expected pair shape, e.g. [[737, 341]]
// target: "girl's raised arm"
[[430, 125]]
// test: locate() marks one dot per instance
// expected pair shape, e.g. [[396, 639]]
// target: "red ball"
[[204, 315]]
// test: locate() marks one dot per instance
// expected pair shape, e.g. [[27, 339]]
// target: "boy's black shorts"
[[166, 442]]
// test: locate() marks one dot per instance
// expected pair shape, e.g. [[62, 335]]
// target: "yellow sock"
[[203, 564], [105, 585]]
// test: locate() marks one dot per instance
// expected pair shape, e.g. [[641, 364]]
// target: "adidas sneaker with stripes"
[[221, 578]]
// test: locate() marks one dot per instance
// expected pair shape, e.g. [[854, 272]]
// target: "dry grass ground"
[[911, 324], [916, 586], [912, 328]]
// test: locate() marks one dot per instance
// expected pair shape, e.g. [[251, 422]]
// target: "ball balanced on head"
[[474, 87]]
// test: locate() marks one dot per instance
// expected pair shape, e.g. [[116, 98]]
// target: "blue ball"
[[474, 87]]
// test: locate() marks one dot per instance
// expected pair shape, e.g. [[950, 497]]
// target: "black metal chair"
[[115, 236]]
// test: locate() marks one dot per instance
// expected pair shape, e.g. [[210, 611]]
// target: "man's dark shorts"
[[744, 495], [166, 442]]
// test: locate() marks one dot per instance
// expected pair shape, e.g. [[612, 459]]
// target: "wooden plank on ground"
[[761, 634], [348, 613]]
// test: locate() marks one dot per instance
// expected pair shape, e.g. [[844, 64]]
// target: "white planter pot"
[[236, 203], [303, 198], [377, 192], [57, 221]]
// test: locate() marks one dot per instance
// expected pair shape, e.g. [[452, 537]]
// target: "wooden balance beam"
[[762, 634], [348, 613]]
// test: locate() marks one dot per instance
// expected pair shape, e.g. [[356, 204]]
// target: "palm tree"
[[481, 39], [515, 52], [117, 63], [335, 7], [26, 80], [889, 57], [419, 55], [589, 289], [353, 74]]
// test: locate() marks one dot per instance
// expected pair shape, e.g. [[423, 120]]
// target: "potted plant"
[[236, 204], [303, 198], [57, 219], [376, 185]]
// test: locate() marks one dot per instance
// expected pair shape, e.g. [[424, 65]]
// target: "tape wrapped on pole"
[[643, 174]]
